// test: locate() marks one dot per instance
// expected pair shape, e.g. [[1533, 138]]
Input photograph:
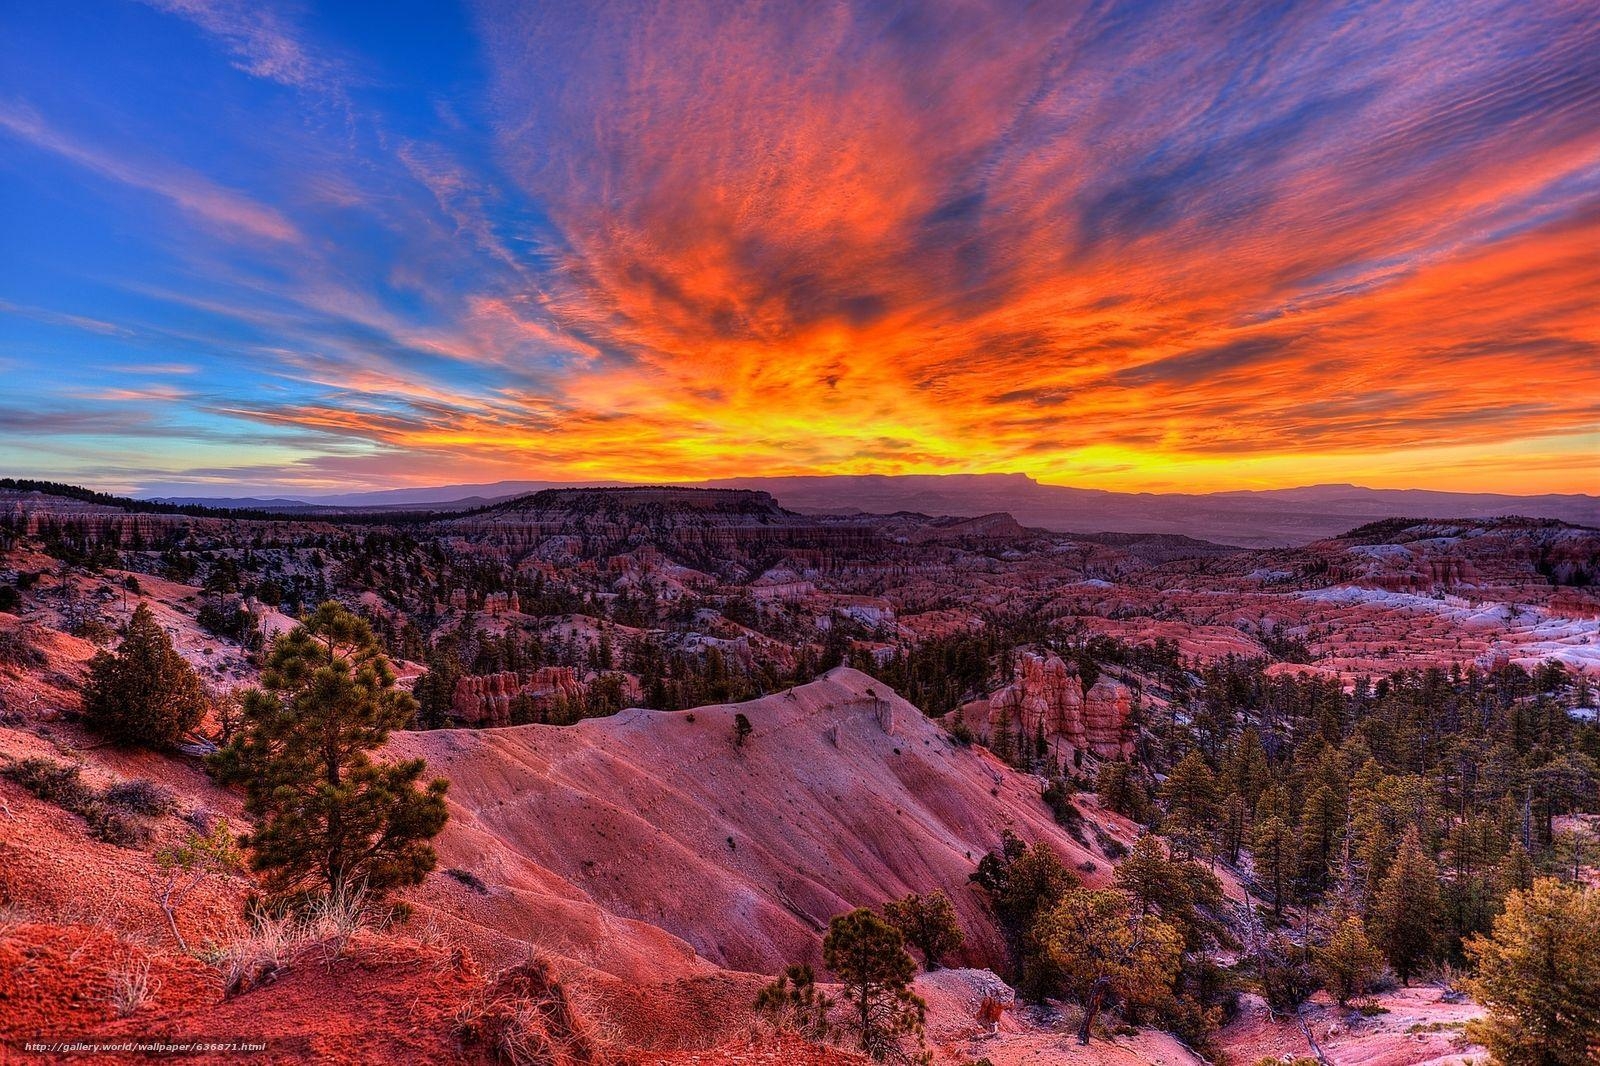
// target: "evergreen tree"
[[144, 694], [928, 923], [328, 815], [1106, 950], [1272, 849], [1538, 973], [1184, 893], [1515, 872], [436, 689], [1022, 883], [793, 1002], [1004, 741], [1405, 912], [868, 955], [1348, 963], [1190, 794], [1119, 790], [1318, 841]]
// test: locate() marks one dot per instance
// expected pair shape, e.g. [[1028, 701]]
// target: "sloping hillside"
[[844, 795]]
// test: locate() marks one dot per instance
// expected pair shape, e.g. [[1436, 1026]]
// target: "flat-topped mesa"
[[486, 699], [1046, 697], [33, 514], [643, 501], [704, 528]]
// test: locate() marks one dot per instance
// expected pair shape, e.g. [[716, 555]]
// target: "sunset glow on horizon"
[[1135, 246]]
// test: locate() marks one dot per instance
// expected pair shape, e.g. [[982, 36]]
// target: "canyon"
[[662, 859]]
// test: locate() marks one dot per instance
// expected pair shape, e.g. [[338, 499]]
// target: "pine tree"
[[144, 694], [928, 923], [1515, 872], [1348, 963], [1190, 793], [1321, 824], [1405, 912], [1119, 790], [1272, 850], [1004, 742], [868, 955], [1538, 973], [1106, 950], [1181, 891], [1248, 772], [327, 815]]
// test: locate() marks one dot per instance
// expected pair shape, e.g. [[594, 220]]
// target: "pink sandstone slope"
[[844, 795]]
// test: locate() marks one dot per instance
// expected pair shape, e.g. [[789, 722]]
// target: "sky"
[[247, 244]]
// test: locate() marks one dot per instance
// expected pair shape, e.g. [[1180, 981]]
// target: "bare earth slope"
[[843, 796]]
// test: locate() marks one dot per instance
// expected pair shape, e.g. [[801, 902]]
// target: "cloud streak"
[[187, 191]]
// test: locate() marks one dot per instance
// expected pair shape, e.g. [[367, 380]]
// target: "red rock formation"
[[1046, 694], [485, 699]]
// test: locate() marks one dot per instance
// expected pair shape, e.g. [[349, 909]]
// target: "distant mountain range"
[[1265, 518]]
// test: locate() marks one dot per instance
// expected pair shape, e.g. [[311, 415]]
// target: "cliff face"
[[1046, 695], [485, 699]]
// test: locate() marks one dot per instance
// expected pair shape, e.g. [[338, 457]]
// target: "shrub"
[[793, 1003], [1110, 846], [209, 851], [468, 878], [1287, 977], [17, 650], [108, 816], [112, 826], [1057, 796], [141, 796], [94, 631], [53, 782], [10, 599]]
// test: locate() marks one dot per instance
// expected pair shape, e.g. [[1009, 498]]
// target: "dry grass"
[[12, 915], [273, 943], [132, 987], [256, 957], [330, 921], [526, 1016]]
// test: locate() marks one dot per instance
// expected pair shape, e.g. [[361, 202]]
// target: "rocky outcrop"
[[485, 699], [491, 603], [1046, 695]]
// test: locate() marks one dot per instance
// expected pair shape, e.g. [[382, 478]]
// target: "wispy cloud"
[[191, 193], [261, 41]]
